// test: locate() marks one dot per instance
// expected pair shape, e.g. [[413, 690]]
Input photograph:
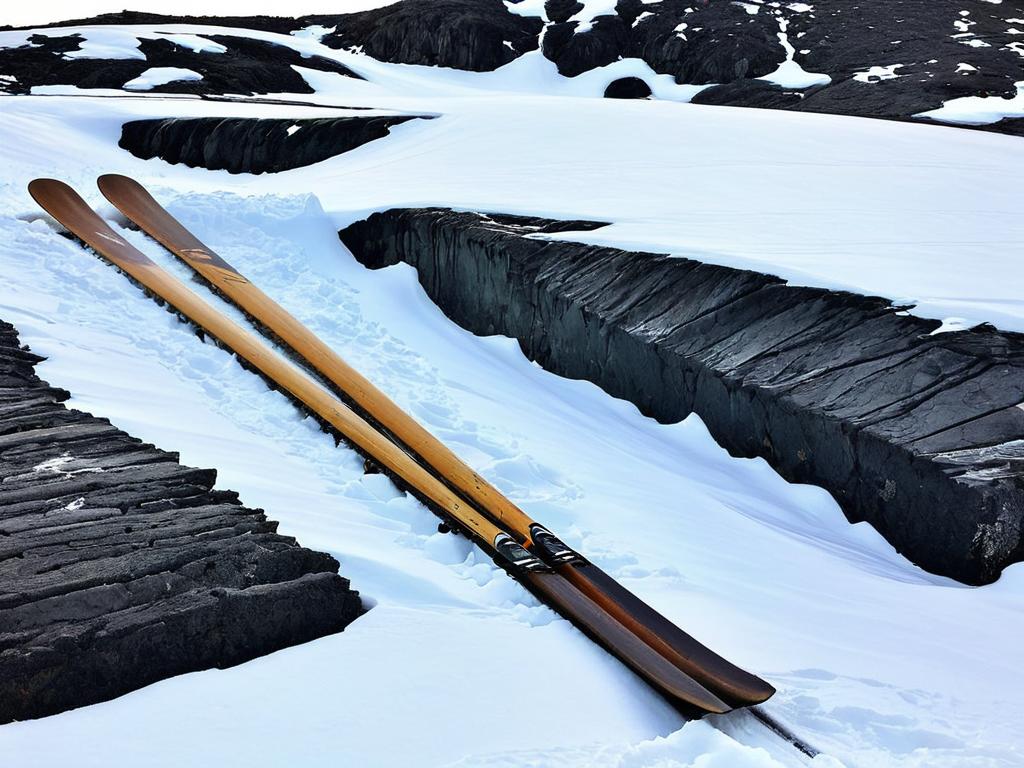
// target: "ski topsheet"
[[731, 683], [70, 210]]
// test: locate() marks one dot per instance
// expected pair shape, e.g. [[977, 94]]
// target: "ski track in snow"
[[877, 662]]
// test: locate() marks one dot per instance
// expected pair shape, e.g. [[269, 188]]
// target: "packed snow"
[[111, 42], [979, 110], [155, 76], [878, 73], [789, 73], [877, 662]]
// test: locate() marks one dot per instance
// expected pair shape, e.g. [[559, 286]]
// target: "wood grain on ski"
[[729, 681], [68, 208]]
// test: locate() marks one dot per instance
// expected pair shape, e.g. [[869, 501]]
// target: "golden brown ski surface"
[[70, 210], [729, 681]]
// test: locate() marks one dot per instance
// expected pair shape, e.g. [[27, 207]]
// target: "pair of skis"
[[677, 665]]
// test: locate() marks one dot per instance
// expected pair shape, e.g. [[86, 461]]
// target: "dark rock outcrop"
[[120, 567], [246, 67], [627, 88], [921, 435], [694, 42], [245, 145], [943, 50], [731, 44], [478, 35]]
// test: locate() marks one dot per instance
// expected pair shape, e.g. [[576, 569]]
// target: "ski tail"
[[733, 684], [71, 211]]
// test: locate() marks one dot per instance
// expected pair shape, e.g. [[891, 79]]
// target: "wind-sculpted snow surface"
[[723, 546], [922, 435], [877, 661], [99, 57]]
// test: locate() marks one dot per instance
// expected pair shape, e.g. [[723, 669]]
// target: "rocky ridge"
[[243, 145], [893, 60], [919, 433], [120, 567]]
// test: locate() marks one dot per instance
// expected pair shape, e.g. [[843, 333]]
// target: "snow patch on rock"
[[979, 110], [155, 76], [790, 74]]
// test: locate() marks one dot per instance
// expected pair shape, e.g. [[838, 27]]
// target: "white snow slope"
[[877, 663]]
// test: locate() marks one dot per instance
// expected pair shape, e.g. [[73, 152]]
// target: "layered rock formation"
[[246, 145], [920, 434], [892, 59], [478, 35], [245, 66], [120, 567]]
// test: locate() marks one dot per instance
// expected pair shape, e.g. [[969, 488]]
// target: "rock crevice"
[[247, 145], [920, 434]]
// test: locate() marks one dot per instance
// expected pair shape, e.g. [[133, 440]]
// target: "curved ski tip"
[[112, 181], [43, 183], [44, 191], [757, 693]]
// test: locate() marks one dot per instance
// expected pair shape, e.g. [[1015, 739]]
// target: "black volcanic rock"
[[577, 52], [464, 34], [750, 93], [627, 88], [722, 43], [560, 10], [921, 435], [247, 145], [120, 567], [279, 24], [246, 67]]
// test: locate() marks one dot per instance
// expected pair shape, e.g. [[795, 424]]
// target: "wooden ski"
[[70, 210]]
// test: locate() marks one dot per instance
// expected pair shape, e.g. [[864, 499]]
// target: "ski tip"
[[50, 192], [44, 184], [114, 182]]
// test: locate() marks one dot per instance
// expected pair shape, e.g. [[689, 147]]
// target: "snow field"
[[877, 663]]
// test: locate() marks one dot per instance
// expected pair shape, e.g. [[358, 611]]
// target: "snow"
[[979, 110], [26, 14], [100, 43], [750, 8], [314, 32], [527, 8], [790, 74], [111, 42], [591, 9], [155, 76], [877, 73], [877, 662]]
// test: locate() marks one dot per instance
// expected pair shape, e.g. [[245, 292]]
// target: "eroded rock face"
[[695, 42], [244, 145], [892, 59], [120, 567], [478, 35], [921, 435], [245, 67]]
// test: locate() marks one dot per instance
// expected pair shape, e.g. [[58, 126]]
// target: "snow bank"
[[979, 110], [790, 74], [877, 663], [155, 76]]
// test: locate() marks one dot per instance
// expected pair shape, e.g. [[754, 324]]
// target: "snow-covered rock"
[[161, 76]]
